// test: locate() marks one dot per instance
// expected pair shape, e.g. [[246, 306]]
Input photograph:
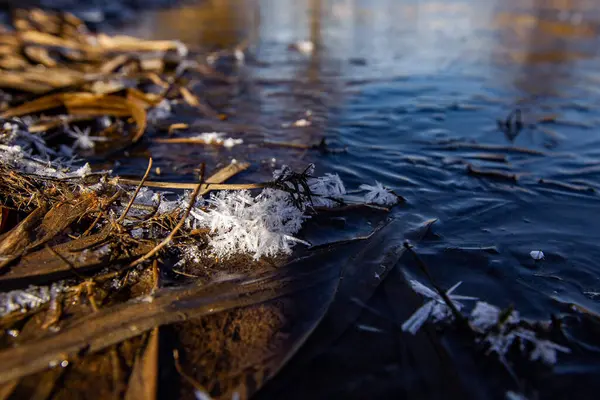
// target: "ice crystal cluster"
[[28, 153], [27, 299], [264, 225], [496, 331], [240, 223], [328, 189]]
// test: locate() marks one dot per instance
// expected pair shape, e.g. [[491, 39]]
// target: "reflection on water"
[[222, 24]]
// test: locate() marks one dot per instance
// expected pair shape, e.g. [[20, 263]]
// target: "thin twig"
[[457, 314], [168, 239], [137, 190], [67, 262], [196, 385]]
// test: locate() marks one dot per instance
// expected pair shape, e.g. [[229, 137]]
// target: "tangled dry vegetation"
[[85, 257], [113, 287]]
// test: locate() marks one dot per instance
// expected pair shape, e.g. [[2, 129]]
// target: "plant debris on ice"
[[91, 238]]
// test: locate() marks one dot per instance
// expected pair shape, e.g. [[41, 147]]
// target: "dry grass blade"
[[112, 64], [7, 389], [137, 190], [194, 383], [86, 105], [13, 80], [40, 55], [189, 186], [225, 173], [193, 101], [125, 43], [214, 182], [35, 106], [178, 126], [143, 382]]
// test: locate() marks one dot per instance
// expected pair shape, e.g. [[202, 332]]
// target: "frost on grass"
[[239, 223], [27, 299], [28, 153], [435, 309], [377, 194], [497, 330], [502, 331]]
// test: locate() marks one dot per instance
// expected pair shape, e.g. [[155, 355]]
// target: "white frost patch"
[[262, 225], [301, 123], [218, 139], [305, 47], [435, 310], [485, 315], [537, 255], [27, 152], [27, 299], [377, 194]]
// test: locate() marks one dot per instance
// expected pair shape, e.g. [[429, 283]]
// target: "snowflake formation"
[[377, 194]]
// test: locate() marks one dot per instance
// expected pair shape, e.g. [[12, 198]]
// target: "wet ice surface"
[[414, 92]]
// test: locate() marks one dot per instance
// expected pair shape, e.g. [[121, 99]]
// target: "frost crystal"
[[262, 225], [377, 194], [326, 188], [436, 309], [83, 140], [543, 350], [485, 315], [537, 255]]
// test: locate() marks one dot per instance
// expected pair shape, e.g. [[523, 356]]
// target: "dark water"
[[413, 90]]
